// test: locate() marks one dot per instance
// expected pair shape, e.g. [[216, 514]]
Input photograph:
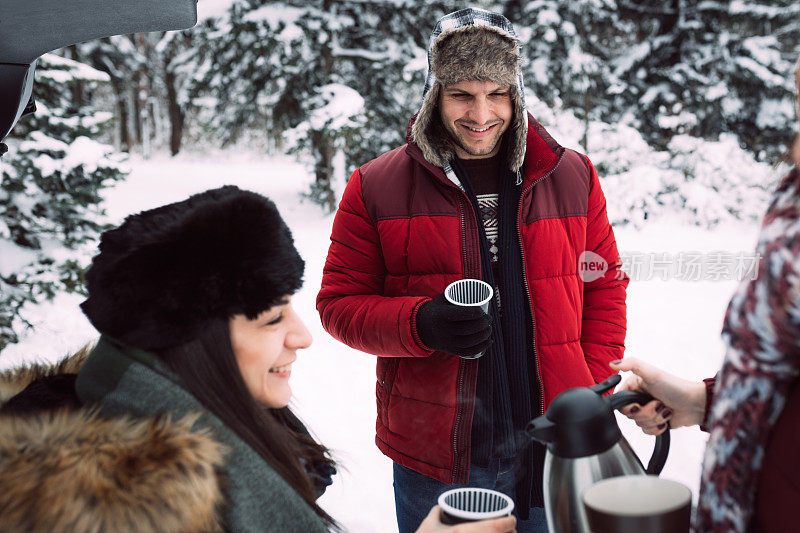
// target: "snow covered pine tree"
[[49, 193]]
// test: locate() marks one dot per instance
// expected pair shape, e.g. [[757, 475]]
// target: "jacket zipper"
[[461, 363], [459, 393], [464, 258], [525, 279]]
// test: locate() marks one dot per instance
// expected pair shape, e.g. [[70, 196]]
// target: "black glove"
[[456, 329], [321, 475]]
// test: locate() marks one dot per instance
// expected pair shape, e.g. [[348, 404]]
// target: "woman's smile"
[[281, 371]]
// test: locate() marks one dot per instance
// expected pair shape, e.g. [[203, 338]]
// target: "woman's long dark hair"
[[208, 368]]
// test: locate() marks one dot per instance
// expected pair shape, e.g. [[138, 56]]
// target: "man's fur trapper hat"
[[471, 44], [164, 273]]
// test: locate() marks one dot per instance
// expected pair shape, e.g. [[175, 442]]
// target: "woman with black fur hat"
[[177, 420]]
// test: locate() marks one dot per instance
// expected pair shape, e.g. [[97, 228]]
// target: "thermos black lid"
[[580, 422]]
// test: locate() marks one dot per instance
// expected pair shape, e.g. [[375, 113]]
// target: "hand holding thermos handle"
[[584, 447]]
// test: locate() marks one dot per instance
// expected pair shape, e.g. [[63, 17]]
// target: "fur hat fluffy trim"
[[164, 273], [76, 471], [482, 53], [481, 46]]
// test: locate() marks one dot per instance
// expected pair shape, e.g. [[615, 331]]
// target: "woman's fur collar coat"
[[70, 469]]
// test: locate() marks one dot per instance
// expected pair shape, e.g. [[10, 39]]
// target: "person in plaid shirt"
[[751, 469]]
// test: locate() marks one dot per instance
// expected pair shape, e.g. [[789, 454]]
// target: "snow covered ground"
[[673, 323]]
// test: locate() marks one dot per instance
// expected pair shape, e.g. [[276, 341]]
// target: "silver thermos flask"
[[585, 445]]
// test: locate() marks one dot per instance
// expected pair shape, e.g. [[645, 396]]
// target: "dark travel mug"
[[638, 504]]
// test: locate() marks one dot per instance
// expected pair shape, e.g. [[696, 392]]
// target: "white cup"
[[470, 504], [470, 292]]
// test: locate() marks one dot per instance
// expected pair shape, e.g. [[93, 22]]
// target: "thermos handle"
[[661, 449]]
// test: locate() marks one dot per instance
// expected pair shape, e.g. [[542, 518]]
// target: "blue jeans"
[[415, 494]]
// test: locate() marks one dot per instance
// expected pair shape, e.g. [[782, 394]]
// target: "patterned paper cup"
[[470, 292], [472, 504]]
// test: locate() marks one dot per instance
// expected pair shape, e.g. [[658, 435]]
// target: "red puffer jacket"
[[404, 231]]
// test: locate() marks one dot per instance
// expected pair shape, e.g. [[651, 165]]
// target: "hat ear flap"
[[429, 133], [517, 132]]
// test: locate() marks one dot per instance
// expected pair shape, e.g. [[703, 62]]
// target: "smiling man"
[[480, 190], [476, 114]]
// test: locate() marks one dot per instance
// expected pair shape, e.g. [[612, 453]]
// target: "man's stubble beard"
[[456, 139]]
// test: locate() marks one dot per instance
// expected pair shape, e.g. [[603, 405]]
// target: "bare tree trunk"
[[321, 142], [123, 133], [147, 129], [144, 111], [587, 92], [77, 87], [513, 9], [175, 113], [156, 118], [177, 116], [585, 136], [136, 109], [323, 170]]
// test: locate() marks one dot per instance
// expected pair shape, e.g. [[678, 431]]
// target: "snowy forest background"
[[684, 106]]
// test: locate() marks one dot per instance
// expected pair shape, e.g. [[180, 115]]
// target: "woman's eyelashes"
[[274, 320]]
